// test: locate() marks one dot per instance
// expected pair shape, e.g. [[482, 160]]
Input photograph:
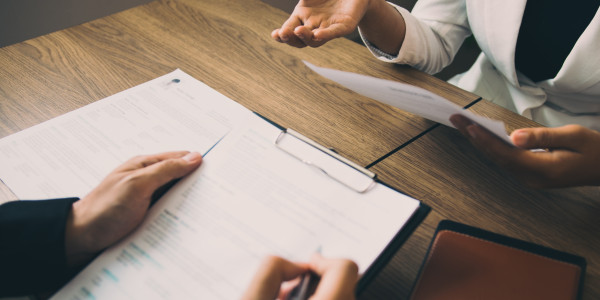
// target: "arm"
[[572, 157], [42, 241], [32, 246], [338, 278], [427, 39]]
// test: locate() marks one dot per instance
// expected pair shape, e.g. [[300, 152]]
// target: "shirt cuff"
[[409, 53], [32, 245]]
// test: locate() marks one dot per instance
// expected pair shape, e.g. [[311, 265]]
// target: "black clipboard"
[[401, 236]]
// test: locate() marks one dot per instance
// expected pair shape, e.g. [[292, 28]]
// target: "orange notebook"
[[465, 262]]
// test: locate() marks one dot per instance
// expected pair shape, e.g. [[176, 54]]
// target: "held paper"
[[408, 98]]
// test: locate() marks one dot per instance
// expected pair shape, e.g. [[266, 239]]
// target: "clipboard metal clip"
[[316, 156]]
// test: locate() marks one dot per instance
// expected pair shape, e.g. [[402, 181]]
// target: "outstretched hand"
[[338, 278], [315, 22], [572, 156], [120, 202]]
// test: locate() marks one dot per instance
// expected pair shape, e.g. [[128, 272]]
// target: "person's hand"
[[120, 202], [572, 156], [338, 278], [314, 22]]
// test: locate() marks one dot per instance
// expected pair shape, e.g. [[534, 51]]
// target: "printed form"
[[207, 235], [69, 155]]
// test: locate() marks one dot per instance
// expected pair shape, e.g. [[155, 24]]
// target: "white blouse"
[[436, 28]]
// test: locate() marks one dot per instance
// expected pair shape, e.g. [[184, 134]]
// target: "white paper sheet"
[[69, 155], [206, 237], [408, 98]]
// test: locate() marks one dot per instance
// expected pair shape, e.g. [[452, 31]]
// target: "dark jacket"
[[32, 246]]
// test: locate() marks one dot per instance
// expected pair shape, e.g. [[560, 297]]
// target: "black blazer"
[[32, 246]]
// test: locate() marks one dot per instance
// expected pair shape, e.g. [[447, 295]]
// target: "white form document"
[[409, 98], [69, 155], [206, 237]]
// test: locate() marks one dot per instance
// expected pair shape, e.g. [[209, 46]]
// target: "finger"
[[287, 29], [306, 36], [536, 169], [481, 138], [331, 32], [493, 147], [287, 287], [142, 161], [461, 122], [275, 35], [565, 137], [291, 39], [304, 33], [295, 41], [338, 277], [154, 176], [271, 273]]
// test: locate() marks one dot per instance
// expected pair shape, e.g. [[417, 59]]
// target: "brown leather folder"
[[465, 262]]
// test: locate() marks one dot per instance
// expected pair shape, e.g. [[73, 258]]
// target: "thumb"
[[158, 174], [560, 137]]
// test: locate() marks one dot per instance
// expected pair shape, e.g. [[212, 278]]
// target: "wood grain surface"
[[446, 172], [227, 45]]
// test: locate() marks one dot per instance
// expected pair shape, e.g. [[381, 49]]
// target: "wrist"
[[383, 26], [78, 243], [374, 9]]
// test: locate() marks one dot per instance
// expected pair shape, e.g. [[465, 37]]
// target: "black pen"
[[307, 286]]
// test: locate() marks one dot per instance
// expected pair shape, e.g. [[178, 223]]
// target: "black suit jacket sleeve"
[[32, 246]]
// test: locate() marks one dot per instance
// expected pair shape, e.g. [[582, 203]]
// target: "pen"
[[307, 285]]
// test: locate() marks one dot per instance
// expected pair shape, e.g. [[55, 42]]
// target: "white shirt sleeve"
[[434, 32]]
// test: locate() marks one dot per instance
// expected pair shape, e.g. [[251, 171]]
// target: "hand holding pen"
[[338, 279]]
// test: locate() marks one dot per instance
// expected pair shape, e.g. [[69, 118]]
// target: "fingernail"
[[192, 157], [284, 38], [454, 120], [471, 130], [520, 137], [458, 121]]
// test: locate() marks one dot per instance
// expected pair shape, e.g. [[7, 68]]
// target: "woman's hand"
[[572, 156], [315, 22]]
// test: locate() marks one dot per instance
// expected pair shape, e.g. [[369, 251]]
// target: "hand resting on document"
[[119, 203], [572, 159]]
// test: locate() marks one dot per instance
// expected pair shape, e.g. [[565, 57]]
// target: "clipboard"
[[255, 195], [361, 181]]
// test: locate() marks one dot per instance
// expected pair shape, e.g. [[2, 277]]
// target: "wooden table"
[[227, 45], [223, 44], [446, 172]]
